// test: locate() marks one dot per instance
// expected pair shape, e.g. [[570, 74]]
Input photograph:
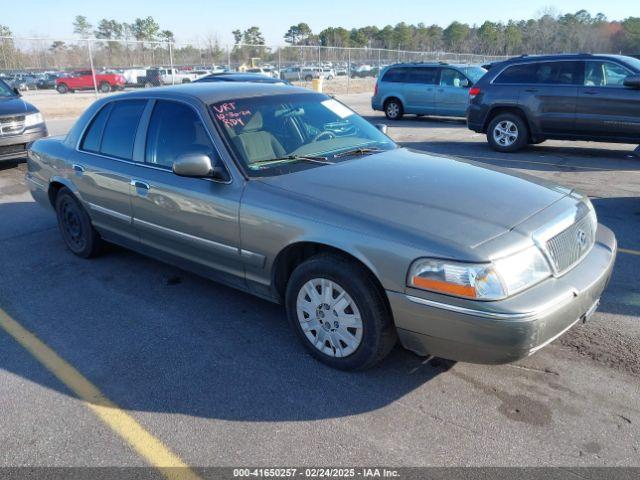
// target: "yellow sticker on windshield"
[[337, 108]]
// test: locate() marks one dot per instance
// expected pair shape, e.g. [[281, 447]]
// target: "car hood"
[[15, 106], [430, 196]]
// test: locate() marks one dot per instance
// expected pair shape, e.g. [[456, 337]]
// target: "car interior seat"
[[256, 143]]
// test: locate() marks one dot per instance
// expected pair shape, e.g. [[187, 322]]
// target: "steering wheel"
[[323, 134]]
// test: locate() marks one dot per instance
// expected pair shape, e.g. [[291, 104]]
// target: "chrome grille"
[[569, 246], [13, 125]]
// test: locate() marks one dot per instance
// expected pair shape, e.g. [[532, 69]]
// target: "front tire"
[[62, 88], [507, 133], [104, 87], [75, 226], [393, 109], [339, 313]]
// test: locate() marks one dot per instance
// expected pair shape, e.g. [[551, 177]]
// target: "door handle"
[[78, 168], [140, 184], [590, 92]]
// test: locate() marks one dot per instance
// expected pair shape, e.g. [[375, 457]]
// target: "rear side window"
[[120, 131], [93, 137], [174, 129], [424, 75], [396, 75], [543, 73]]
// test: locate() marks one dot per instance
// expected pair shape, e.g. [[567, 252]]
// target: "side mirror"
[[382, 127], [632, 81], [198, 165]]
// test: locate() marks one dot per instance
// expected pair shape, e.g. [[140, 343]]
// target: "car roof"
[[214, 92], [433, 64], [238, 77], [561, 56]]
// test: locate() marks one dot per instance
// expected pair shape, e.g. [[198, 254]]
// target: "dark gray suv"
[[20, 124], [530, 99]]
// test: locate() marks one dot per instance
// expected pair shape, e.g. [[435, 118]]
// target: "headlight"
[[33, 119], [486, 281]]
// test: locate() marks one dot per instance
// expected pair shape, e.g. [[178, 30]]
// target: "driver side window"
[[174, 129], [452, 78], [604, 74]]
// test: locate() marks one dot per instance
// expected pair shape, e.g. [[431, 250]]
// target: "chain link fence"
[[24, 62]]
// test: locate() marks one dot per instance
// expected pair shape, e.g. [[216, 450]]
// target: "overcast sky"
[[189, 19]]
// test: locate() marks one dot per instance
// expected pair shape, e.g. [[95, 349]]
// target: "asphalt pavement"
[[217, 377]]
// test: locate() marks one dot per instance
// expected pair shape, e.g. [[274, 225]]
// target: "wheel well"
[[54, 188], [388, 99], [293, 255], [514, 110]]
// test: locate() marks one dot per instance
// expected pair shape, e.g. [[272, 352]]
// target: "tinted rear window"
[[424, 75], [395, 75], [92, 138], [550, 73], [120, 131]]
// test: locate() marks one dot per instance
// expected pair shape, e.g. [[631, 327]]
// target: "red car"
[[83, 80]]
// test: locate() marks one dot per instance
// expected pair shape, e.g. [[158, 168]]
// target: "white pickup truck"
[[171, 76]]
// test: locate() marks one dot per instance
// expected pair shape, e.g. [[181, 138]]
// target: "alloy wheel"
[[505, 133], [393, 110]]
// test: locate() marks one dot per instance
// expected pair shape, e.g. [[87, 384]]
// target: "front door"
[[192, 219], [452, 93], [605, 106]]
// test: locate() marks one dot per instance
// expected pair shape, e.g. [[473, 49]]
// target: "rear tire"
[[393, 109], [104, 87], [507, 133], [75, 226], [348, 328]]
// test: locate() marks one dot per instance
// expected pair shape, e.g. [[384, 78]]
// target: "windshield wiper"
[[359, 151], [293, 158]]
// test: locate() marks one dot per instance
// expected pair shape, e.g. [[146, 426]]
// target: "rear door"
[[105, 166], [420, 90], [607, 108], [452, 93], [548, 91]]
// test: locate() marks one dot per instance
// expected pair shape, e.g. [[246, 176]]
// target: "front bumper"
[[15, 146], [505, 331]]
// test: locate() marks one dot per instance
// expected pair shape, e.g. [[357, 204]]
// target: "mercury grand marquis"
[[291, 196]]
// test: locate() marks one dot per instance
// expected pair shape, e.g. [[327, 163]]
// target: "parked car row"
[[524, 100]]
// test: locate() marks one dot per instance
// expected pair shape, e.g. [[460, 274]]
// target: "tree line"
[[143, 41], [550, 33]]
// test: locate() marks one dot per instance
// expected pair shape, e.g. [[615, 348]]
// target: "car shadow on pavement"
[[411, 121], [622, 215], [548, 158], [155, 338]]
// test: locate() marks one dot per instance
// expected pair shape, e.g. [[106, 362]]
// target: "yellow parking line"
[[147, 446], [630, 252]]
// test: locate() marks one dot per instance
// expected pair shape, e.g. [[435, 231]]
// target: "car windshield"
[[278, 134], [632, 61], [6, 90], [474, 73]]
